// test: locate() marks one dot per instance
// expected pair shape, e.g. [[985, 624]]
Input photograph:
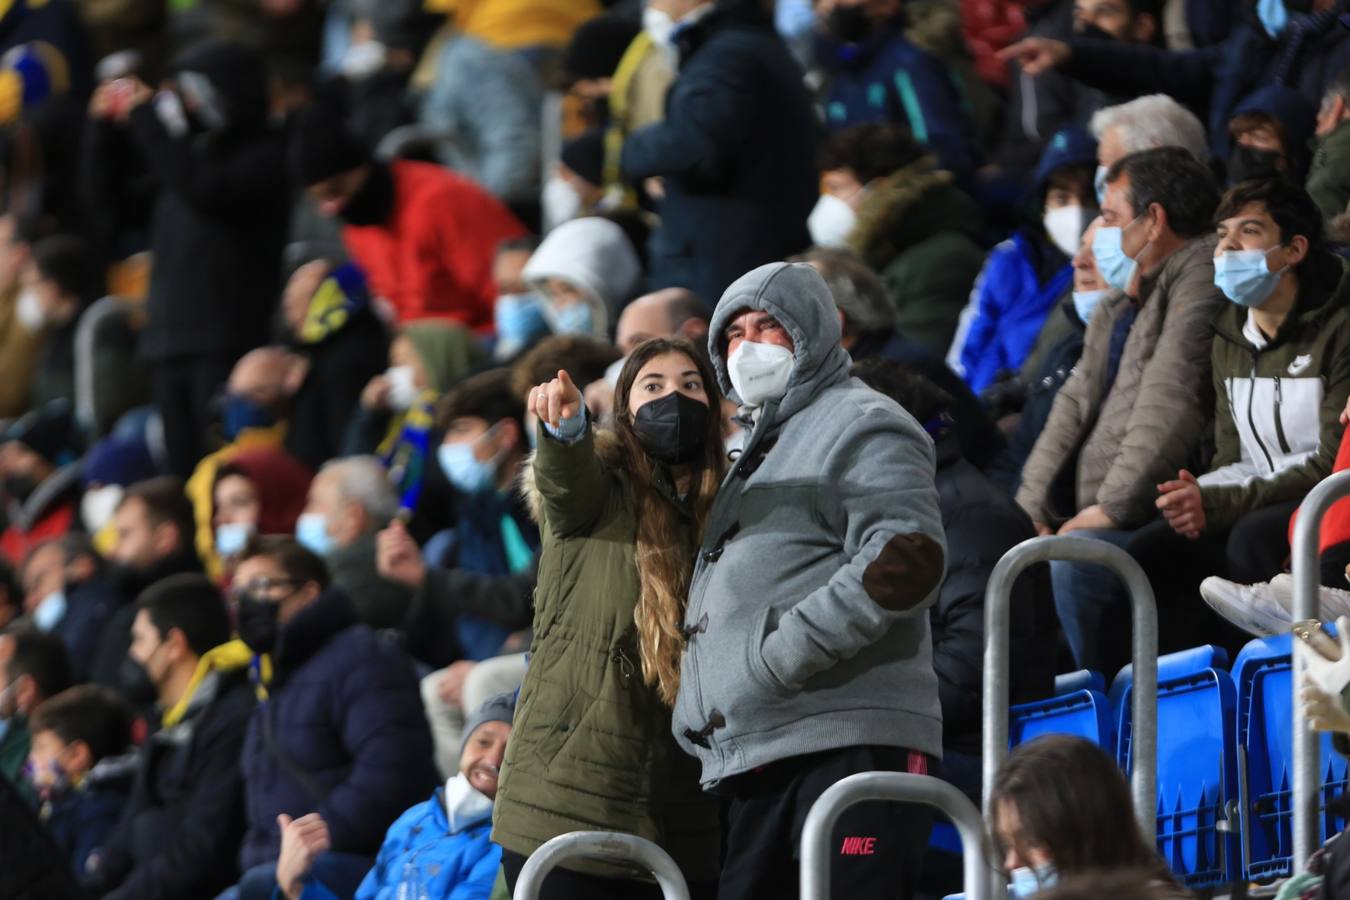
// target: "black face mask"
[[672, 429], [848, 23], [1246, 163], [257, 623], [373, 200], [20, 487], [135, 683]]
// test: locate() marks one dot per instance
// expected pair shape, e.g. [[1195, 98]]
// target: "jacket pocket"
[[759, 670], [563, 726]]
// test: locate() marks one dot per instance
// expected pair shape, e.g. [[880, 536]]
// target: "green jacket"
[[919, 231], [592, 749], [1277, 423], [14, 748], [1329, 178]]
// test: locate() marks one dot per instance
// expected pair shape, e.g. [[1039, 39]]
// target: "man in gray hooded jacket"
[[808, 656]]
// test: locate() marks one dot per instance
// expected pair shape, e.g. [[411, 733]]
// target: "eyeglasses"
[[259, 587]]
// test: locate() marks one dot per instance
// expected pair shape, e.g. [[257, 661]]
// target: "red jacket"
[[433, 258], [55, 522], [1336, 523]]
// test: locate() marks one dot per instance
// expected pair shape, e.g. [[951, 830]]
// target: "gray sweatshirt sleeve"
[[884, 504]]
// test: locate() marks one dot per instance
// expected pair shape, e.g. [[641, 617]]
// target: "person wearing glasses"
[[338, 729]]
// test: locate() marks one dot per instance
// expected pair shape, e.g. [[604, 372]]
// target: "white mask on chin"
[[465, 805]]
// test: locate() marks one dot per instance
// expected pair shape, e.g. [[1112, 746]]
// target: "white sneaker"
[[1255, 608], [1268, 609]]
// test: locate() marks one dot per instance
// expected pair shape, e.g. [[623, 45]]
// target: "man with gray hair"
[[867, 318], [350, 500], [1144, 123]]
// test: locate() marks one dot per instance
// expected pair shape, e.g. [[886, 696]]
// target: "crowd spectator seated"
[[33, 667], [350, 500], [110, 466], [1133, 411], [67, 593], [875, 74], [331, 322], [153, 530], [260, 491], [1281, 378], [80, 767], [61, 279], [1328, 182], [586, 270], [39, 478], [875, 179], [339, 731], [1025, 276], [423, 235], [440, 846], [981, 523], [20, 333], [1144, 123], [179, 835], [518, 313], [1270, 131]]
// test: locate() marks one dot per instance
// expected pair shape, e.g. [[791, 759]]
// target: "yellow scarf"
[[228, 657]]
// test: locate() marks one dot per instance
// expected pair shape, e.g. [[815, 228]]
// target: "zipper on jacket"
[[1251, 418], [1279, 425], [625, 664]]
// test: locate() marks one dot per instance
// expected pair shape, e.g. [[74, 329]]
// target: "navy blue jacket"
[[1214, 80], [345, 714], [90, 605], [736, 153], [81, 819], [888, 79]]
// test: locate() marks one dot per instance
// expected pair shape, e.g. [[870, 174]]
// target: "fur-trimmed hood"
[[888, 222]]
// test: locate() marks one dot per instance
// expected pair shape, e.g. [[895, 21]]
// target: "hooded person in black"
[[205, 152]]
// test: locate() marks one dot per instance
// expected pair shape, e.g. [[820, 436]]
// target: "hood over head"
[[594, 255], [236, 75], [796, 295]]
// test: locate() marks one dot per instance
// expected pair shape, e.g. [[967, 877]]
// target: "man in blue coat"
[[735, 154], [340, 728]]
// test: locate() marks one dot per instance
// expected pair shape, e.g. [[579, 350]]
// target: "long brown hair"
[[667, 539], [1073, 803]]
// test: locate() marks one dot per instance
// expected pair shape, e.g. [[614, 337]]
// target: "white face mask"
[[1065, 226], [402, 391], [50, 611], [232, 537], [464, 803], [98, 505], [1085, 303], [28, 310], [831, 222], [658, 24], [363, 60], [759, 373], [561, 202]]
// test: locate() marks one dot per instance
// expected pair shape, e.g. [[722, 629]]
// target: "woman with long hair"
[[621, 514], [1059, 807]]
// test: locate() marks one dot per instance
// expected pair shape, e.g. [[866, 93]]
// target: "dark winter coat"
[[180, 833], [90, 606], [342, 733], [981, 524], [736, 154], [219, 214], [82, 818]]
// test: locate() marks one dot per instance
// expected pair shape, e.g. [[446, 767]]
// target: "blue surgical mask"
[[311, 530], [1085, 303], [50, 611], [576, 318], [1099, 183], [241, 413], [466, 472], [519, 320], [231, 537], [1244, 276], [1117, 268], [1026, 881], [1273, 15]]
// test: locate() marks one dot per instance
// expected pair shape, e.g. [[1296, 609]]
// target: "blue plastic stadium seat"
[[1197, 762], [1083, 712], [1079, 681], [1263, 674]]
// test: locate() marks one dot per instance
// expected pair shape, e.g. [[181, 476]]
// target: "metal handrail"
[[606, 845], [1307, 605], [1144, 629], [818, 830], [104, 310]]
